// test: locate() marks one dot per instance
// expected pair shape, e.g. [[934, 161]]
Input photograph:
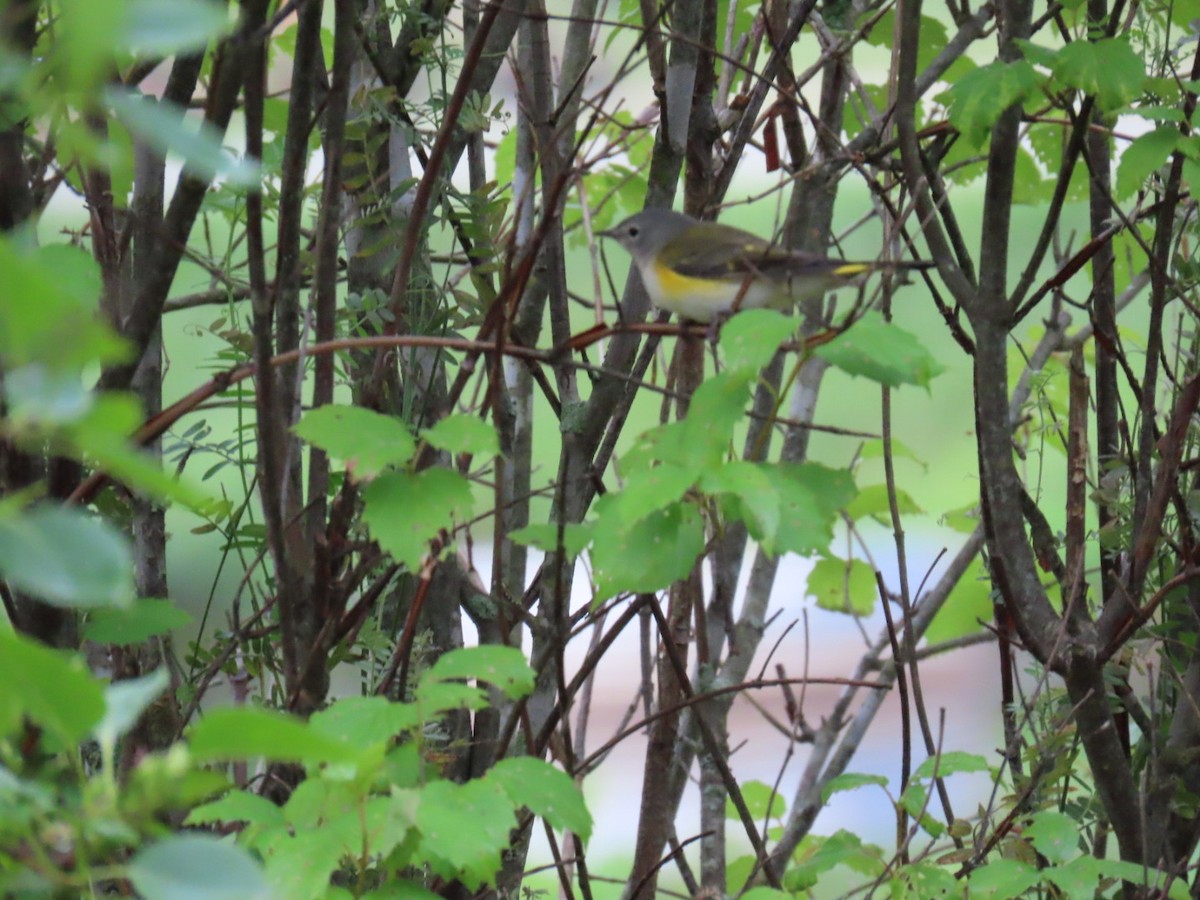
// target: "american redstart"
[[700, 269]]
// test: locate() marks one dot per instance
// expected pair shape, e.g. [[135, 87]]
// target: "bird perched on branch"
[[705, 270]]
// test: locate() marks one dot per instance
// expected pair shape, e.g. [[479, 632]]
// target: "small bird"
[[699, 269]]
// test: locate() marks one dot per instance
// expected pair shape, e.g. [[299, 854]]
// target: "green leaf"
[[1145, 155], [463, 434], [125, 701], [761, 799], [849, 781], [1108, 69], [167, 27], [969, 604], [505, 668], [135, 623], [979, 97], [933, 35], [717, 406], [872, 500], [367, 441], [196, 867], [244, 732], [951, 763], [817, 855], [758, 501], [405, 511], [750, 339], [1075, 881], [237, 806], [45, 395], [1080, 877], [1055, 835], [810, 498], [434, 697], [647, 490], [882, 352], [1029, 187], [873, 449], [963, 519], [399, 889], [546, 791], [650, 554], [362, 721], [52, 688], [1003, 879], [1037, 54], [765, 893], [66, 558], [843, 586], [299, 867], [162, 127], [464, 828], [102, 436], [544, 536]]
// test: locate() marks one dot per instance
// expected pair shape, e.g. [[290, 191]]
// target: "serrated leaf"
[[1037, 54], [54, 689], [1108, 69], [1054, 834], [237, 806], [196, 867], [464, 828], [102, 436], [125, 701], [135, 623], [717, 406], [846, 586], [502, 667], [66, 558], [872, 500], [849, 781], [979, 97], [362, 721], [244, 732], [950, 763], [873, 449], [48, 314], [818, 855], [463, 434], [647, 490], [756, 494], [650, 554], [969, 604], [882, 352], [810, 498], [405, 511], [366, 440], [750, 339], [546, 791], [163, 127], [1145, 155], [1003, 879], [166, 27], [544, 536], [761, 799]]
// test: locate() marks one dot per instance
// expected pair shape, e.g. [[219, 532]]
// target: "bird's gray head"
[[643, 235]]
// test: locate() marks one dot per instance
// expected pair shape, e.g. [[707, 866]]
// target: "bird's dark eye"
[[633, 231]]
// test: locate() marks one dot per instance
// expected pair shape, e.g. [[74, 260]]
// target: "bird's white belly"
[[704, 300]]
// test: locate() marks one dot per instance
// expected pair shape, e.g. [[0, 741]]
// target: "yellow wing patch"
[[849, 270]]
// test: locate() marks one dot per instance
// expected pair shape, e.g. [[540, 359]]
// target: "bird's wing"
[[729, 254]]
